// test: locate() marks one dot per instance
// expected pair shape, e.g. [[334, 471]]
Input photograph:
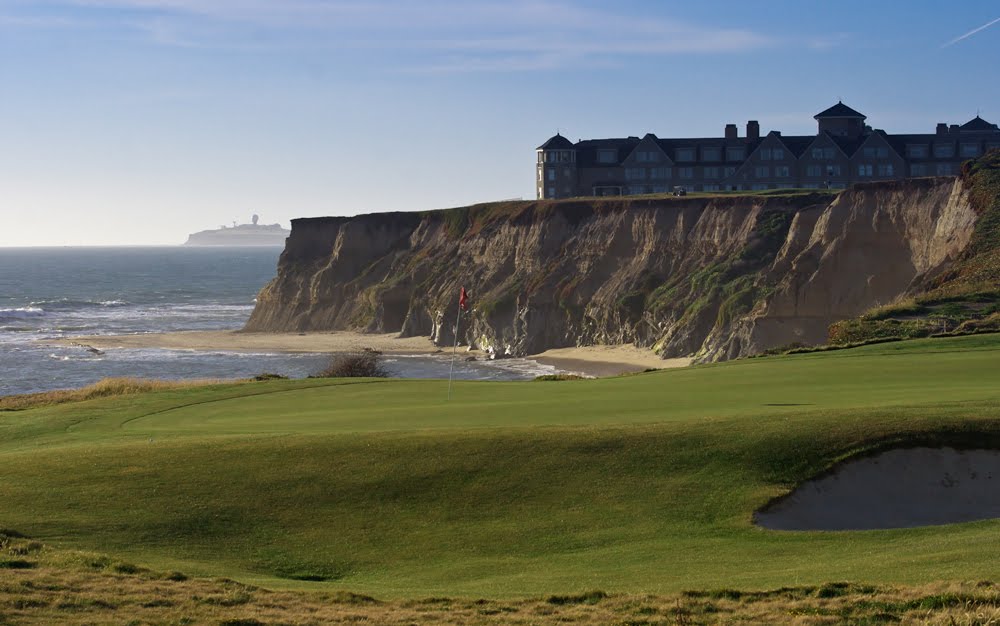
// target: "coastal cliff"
[[716, 277]]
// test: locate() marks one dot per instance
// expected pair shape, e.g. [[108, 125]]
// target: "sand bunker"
[[894, 489]]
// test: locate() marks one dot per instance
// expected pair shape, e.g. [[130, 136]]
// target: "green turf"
[[639, 483]]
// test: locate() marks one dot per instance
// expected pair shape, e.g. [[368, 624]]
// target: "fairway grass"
[[642, 484]]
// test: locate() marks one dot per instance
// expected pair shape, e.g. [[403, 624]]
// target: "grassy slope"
[[639, 484]]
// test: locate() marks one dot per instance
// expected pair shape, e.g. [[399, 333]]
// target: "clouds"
[[442, 35]]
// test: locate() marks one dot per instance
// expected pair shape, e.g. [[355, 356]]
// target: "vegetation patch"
[[104, 388], [364, 364]]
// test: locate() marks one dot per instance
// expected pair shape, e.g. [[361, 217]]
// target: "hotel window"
[[710, 188], [833, 170], [635, 173], [685, 154], [541, 157], [765, 154], [865, 169], [729, 171], [734, 154], [777, 154], [647, 156], [886, 169], [874, 152], [552, 192], [944, 150], [552, 174], [711, 172], [781, 171], [822, 154], [636, 190], [660, 189], [567, 172], [969, 149], [659, 173], [761, 171], [758, 187], [918, 169], [814, 170], [917, 150], [607, 156], [711, 154], [685, 172], [944, 169]]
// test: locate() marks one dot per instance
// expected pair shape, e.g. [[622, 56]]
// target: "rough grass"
[[104, 388], [77, 588], [508, 490]]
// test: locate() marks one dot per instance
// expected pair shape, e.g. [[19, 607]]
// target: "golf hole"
[[899, 488]]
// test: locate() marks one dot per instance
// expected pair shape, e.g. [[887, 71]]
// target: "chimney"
[[731, 132], [953, 128], [942, 128], [753, 130]]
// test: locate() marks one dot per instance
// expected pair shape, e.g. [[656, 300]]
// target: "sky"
[[136, 122]]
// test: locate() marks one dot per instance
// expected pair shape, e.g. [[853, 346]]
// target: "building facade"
[[844, 151]]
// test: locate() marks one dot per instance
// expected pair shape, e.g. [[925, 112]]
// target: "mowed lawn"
[[643, 483]]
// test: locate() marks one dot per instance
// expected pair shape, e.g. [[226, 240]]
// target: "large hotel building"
[[844, 151]]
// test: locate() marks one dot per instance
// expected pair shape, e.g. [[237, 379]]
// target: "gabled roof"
[[648, 140], [977, 124], [558, 142], [586, 150], [881, 135], [795, 144], [839, 110]]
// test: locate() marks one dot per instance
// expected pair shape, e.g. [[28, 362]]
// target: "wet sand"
[[587, 360]]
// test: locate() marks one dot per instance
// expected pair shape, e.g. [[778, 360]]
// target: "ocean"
[[49, 293]]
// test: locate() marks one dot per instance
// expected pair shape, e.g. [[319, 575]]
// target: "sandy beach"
[[588, 360]]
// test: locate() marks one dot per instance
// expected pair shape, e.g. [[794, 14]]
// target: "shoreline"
[[597, 361]]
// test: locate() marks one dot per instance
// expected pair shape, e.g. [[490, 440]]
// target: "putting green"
[[640, 483]]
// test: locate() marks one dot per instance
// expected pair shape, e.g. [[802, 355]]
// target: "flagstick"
[[454, 349]]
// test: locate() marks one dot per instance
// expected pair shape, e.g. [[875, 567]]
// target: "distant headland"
[[252, 234]]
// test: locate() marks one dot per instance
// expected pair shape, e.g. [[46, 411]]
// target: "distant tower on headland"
[[255, 219]]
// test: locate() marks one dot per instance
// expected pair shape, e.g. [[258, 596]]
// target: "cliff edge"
[[717, 277]]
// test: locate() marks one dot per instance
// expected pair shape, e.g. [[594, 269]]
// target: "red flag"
[[463, 300]]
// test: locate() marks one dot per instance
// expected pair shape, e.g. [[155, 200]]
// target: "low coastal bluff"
[[716, 277]]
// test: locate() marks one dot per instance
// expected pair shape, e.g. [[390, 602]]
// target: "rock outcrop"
[[716, 277]]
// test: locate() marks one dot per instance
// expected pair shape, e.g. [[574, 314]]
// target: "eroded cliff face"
[[714, 277]]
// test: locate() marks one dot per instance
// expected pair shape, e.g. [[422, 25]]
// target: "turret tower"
[[555, 172]]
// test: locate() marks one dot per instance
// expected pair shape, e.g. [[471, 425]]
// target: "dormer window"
[[647, 156], [685, 154], [607, 156]]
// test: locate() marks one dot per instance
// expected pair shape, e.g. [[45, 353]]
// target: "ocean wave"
[[70, 304], [21, 313]]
